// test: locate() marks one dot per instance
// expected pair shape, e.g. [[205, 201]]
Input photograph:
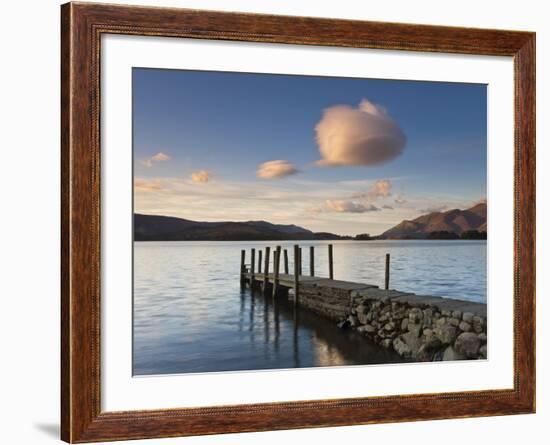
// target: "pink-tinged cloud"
[[380, 189], [365, 135], [346, 206], [160, 157], [142, 186], [276, 169], [200, 177]]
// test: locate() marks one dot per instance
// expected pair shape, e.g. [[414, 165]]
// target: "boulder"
[[457, 314], [445, 333], [404, 324], [454, 321], [415, 315], [483, 351], [401, 347], [468, 317], [412, 341], [482, 337], [478, 324], [366, 329], [465, 327], [468, 344], [451, 354]]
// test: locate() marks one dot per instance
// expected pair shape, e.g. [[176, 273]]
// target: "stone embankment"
[[417, 327]]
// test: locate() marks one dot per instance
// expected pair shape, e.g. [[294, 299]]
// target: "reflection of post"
[[387, 278], [330, 266], [311, 261], [266, 269], [296, 272], [259, 260], [286, 262], [243, 255], [252, 257], [295, 340], [276, 256]]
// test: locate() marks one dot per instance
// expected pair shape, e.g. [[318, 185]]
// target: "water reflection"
[[190, 314]]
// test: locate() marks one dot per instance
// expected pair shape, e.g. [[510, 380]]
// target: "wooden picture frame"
[[82, 26]]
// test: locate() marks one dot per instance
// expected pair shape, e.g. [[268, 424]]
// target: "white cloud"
[[200, 177], [400, 200], [365, 135], [347, 206], [434, 209], [276, 169], [159, 157]]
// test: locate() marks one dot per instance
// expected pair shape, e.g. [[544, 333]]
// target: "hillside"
[[453, 221], [168, 228]]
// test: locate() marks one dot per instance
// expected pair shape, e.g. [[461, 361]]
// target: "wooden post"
[[276, 258], [311, 261], [266, 269], [330, 265], [286, 261], [387, 280], [252, 257], [260, 261], [243, 267], [300, 261], [296, 272]]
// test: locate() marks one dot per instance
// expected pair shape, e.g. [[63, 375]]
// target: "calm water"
[[190, 314]]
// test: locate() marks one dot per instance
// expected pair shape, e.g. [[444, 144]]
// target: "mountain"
[[168, 228], [453, 221]]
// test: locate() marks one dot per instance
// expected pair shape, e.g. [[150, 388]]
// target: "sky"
[[340, 155]]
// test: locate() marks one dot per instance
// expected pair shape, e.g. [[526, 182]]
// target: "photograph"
[[293, 221]]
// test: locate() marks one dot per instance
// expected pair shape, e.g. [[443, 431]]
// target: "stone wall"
[[419, 328]]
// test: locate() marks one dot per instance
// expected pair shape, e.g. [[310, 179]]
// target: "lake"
[[190, 314]]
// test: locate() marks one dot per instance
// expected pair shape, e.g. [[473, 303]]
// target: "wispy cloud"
[[347, 206], [434, 209], [276, 169], [365, 135], [380, 189], [159, 157], [200, 177]]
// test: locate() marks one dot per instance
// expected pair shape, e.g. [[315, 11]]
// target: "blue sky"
[[354, 155]]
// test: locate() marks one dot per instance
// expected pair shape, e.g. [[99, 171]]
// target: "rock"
[[441, 321], [404, 324], [427, 351], [468, 344], [387, 342], [483, 351], [445, 333], [363, 317], [451, 354], [465, 327], [446, 313], [415, 315], [344, 324], [468, 317], [412, 341], [414, 328], [457, 314], [388, 327], [401, 348], [482, 337], [366, 329], [478, 324], [353, 321], [427, 332], [454, 322]]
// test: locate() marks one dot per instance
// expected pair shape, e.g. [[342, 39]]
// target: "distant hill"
[[453, 221], [168, 228]]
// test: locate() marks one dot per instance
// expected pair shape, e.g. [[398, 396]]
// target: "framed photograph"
[[275, 222]]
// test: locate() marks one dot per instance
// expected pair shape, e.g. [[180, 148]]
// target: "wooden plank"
[[387, 277]]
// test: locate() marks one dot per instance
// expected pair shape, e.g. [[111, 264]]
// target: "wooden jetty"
[[417, 327]]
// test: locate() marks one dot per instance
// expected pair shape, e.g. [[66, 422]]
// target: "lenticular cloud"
[[365, 135]]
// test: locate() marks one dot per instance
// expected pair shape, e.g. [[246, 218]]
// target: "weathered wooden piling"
[[286, 262], [252, 258], [311, 261], [300, 261], [276, 258], [243, 267], [266, 269], [387, 277], [259, 260], [296, 272], [330, 264]]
